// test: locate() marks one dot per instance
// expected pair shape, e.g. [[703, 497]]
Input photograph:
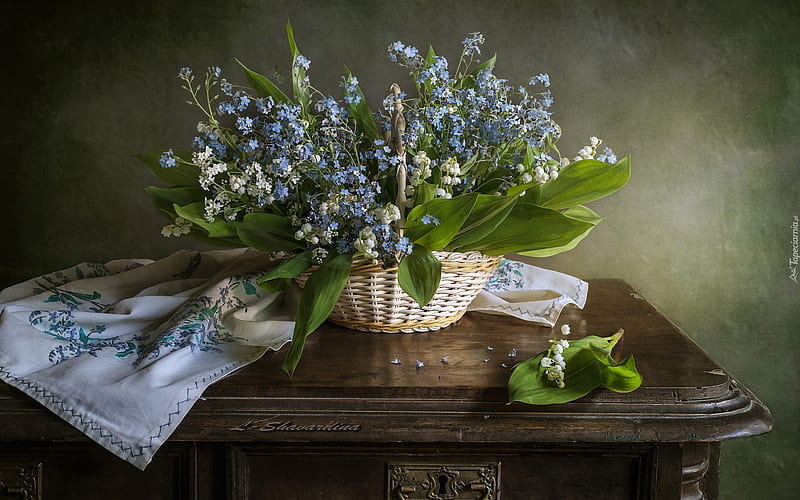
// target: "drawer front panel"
[[66, 471], [264, 472]]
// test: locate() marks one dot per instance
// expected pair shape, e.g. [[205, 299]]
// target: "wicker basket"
[[373, 301]]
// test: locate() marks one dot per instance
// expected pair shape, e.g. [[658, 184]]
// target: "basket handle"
[[394, 139]]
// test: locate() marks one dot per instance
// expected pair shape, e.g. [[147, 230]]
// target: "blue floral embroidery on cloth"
[[506, 275], [197, 324], [75, 339], [87, 270]]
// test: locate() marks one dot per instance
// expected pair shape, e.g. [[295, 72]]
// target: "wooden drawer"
[[81, 471], [440, 472]]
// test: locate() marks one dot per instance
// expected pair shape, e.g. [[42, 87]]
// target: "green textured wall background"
[[705, 97]]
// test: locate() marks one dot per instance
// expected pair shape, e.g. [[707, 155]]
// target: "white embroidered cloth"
[[123, 350]]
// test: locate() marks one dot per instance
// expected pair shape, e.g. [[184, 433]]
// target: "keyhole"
[[443, 484]]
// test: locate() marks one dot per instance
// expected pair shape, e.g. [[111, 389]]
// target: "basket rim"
[[448, 259]]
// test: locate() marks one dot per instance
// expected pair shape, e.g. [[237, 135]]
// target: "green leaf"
[[319, 296], [451, 213], [489, 63], [467, 166], [281, 275], [580, 213], [267, 232], [583, 213], [589, 366], [263, 86], [298, 73], [195, 213], [619, 377], [532, 193], [362, 113], [530, 156], [419, 274], [530, 227], [469, 79], [584, 181], [228, 242], [494, 181], [430, 56], [529, 384], [522, 191], [179, 175], [622, 377], [182, 195], [487, 214], [593, 341], [425, 193]]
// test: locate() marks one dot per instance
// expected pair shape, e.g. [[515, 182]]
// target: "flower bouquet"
[[464, 163]]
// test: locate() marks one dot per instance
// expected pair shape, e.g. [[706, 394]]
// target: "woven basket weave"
[[373, 301]]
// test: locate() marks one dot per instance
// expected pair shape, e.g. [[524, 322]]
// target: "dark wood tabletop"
[[352, 424], [347, 377]]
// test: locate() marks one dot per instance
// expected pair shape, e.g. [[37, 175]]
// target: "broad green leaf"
[[589, 365], [203, 237], [267, 232], [583, 213], [298, 73], [425, 193], [532, 194], [487, 214], [522, 190], [451, 214], [362, 113], [494, 182], [580, 213], [593, 341], [419, 274], [195, 213], [529, 384], [168, 210], [530, 227], [584, 181], [182, 195], [621, 377], [263, 86], [179, 175], [281, 275], [319, 296], [530, 156]]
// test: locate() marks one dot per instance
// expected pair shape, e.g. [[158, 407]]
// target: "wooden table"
[[352, 425]]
